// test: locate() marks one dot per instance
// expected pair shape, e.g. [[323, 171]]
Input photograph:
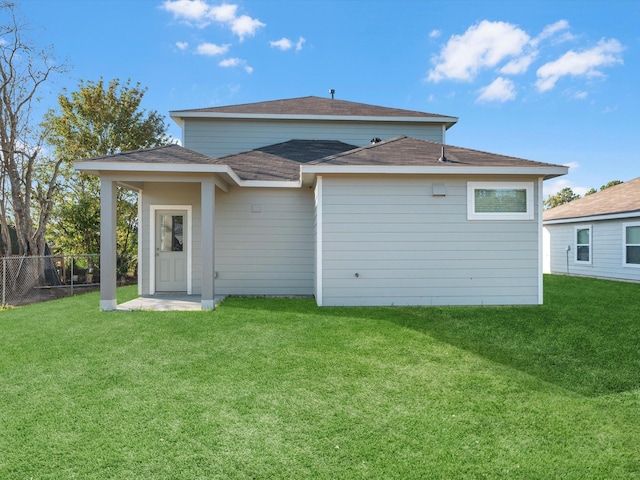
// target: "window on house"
[[631, 254], [583, 244], [500, 201]]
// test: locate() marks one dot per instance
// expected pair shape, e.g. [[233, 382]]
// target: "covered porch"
[[171, 171]]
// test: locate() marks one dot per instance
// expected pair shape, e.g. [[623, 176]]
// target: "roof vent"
[[442, 158], [375, 140], [332, 92]]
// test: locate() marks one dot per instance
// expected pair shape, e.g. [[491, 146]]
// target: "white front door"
[[171, 250]]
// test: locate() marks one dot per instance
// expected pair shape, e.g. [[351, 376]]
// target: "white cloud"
[[500, 90], [551, 30], [483, 45], [435, 34], [586, 63], [200, 13], [236, 62], [245, 26], [283, 44], [553, 187], [182, 45], [519, 65], [211, 49], [580, 95], [572, 165], [286, 44], [224, 13], [188, 10]]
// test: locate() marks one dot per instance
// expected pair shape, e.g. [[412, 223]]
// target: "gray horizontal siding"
[[217, 138], [269, 252], [607, 253], [408, 247]]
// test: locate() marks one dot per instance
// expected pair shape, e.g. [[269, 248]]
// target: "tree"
[[565, 195], [612, 183], [27, 177], [591, 191], [99, 119]]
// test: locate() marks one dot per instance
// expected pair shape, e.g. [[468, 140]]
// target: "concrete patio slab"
[[165, 303]]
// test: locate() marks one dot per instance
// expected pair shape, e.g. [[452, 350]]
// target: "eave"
[[179, 115]]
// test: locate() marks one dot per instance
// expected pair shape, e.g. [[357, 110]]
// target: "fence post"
[[72, 270], [4, 281]]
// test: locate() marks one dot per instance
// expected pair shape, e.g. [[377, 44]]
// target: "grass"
[[279, 388]]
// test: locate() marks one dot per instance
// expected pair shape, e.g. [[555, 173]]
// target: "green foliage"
[[612, 183], [565, 195], [279, 388], [94, 121], [591, 191]]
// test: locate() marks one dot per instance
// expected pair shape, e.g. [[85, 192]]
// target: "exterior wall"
[[390, 241], [217, 138], [264, 241], [263, 238], [606, 250]]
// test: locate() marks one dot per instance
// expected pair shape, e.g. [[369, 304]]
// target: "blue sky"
[[552, 81]]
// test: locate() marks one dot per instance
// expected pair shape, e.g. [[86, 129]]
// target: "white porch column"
[[108, 260], [208, 204]]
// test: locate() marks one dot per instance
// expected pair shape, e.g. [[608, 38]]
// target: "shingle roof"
[[282, 160], [622, 198], [164, 154], [315, 106], [407, 151]]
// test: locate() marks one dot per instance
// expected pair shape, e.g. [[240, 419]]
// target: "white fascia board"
[[100, 168], [150, 167], [594, 218], [179, 115], [547, 172]]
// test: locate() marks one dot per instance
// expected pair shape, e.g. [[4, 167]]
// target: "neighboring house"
[[597, 235], [353, 204]]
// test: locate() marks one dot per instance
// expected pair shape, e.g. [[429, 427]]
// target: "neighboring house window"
[[631, 254], [583, 244], [500, 201]]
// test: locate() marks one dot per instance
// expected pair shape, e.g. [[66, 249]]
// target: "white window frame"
[[576, 244], [625, 244], [471, 201]]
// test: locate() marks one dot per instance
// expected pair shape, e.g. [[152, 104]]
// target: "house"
[[353, 204], [597, 235]]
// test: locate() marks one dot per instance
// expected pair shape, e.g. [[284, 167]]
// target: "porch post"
[[107, 244], [208, 203]]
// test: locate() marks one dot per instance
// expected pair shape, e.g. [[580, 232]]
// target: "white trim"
[[152, 244], [594, 218], [539, 209], [178, 115], [140, 240], [624, 244], [473, 215], [439, 169], [319, 271], [575, 244]]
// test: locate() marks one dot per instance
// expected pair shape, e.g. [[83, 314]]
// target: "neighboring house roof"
[[621, 200], [313, 108], [288, 161]]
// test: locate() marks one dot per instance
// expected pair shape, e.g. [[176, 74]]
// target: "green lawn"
[[278, 388]]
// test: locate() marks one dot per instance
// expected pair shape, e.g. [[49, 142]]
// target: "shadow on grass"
[[585, 338]]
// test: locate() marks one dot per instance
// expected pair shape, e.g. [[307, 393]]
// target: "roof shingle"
[[315, 106], [622, 198]]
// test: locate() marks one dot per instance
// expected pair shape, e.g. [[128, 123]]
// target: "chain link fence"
[[25, 280]]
